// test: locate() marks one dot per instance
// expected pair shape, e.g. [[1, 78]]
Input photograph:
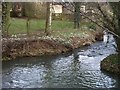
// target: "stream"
[[62, 71]]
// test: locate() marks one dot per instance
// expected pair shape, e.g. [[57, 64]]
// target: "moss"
[[110, 64], [113, 58]]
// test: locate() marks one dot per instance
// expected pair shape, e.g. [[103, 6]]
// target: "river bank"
[[46, 45], [110, 64]]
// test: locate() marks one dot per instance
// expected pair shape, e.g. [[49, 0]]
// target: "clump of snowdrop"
[[14, 36]]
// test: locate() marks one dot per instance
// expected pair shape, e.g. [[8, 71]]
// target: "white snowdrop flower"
[[15, 36]]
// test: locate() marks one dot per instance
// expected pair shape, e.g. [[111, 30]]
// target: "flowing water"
[[62, 71]]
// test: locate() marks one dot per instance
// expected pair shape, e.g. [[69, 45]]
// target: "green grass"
[[60, 25], [19, 25], [59, 28]]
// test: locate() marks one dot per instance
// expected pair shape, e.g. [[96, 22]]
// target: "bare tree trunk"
[[77, 15], [6, 18], [48, 18], [28, 25]]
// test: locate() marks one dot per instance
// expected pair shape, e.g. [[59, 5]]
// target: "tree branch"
[[108, 28]]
